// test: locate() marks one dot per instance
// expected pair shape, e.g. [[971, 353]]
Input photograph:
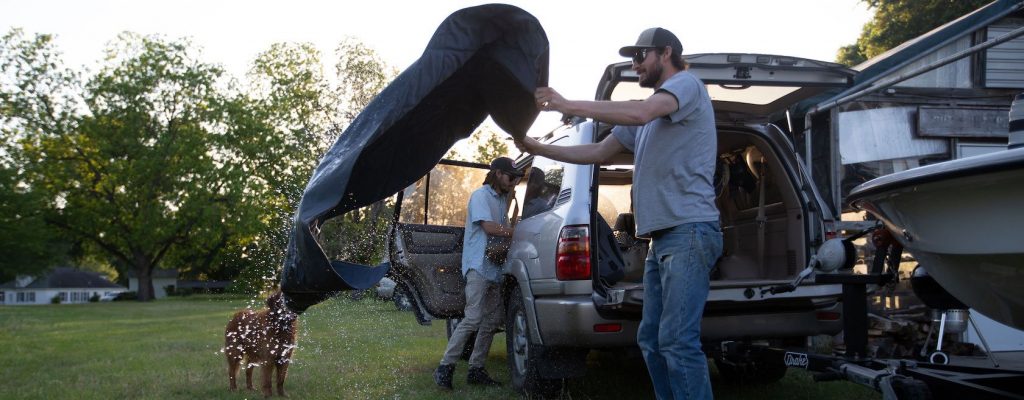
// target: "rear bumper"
[[570, 321]]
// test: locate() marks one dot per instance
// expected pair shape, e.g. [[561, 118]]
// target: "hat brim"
[[517, 174], [629, 51]]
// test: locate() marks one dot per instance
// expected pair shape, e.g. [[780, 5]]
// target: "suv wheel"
[[523, 356], [467, 349]]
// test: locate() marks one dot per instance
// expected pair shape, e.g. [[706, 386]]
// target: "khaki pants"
[[484, 314]]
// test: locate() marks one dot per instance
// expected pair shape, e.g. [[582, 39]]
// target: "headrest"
[[753, 157]]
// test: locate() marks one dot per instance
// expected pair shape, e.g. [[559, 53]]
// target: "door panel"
[[426, 252], [431, 258]]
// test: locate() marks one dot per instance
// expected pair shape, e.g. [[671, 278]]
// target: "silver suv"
[[574, 272]]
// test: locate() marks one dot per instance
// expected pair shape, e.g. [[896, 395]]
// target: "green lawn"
[[171, 349]]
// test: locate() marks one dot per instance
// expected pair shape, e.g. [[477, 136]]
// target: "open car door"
[[426, 245]]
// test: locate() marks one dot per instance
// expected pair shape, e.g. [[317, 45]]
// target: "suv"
[[574, 271]]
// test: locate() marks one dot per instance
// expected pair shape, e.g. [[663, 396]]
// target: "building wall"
[[44, 296]]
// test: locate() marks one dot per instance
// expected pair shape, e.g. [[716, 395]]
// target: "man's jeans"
[[484, 312], [675, 290]]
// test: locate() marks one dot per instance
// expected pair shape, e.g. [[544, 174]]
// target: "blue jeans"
[[676, 287]]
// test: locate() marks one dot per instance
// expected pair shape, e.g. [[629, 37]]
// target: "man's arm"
[[614, 112], [495, 229], [592, 153]]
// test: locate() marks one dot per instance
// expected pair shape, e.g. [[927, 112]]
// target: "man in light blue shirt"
[[672, 136], [487, 216]]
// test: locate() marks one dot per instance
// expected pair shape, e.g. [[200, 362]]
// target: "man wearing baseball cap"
[[487, 216], [672, 136]]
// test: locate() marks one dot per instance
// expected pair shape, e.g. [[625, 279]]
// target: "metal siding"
[[954, 75], [1004, 65], [883, 134]]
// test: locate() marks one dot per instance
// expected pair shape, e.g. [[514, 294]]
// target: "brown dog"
[[266, 338]]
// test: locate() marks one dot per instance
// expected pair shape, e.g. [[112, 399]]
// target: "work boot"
[[443, 376], [478, 376]]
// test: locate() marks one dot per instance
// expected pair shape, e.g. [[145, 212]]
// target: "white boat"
[[964, 221]]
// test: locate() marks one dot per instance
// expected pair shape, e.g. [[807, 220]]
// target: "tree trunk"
[[144, 270]]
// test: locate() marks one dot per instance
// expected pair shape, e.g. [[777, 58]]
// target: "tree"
[[144, 170], [28, 246], [36, 95], [359, 235], [483, 146], [303, 114], [897, 21], [292, 111]]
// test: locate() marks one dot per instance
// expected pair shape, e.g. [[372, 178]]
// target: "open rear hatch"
[[745, 89]]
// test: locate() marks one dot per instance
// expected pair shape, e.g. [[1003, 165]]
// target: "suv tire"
[[523, 355], [467, 349]]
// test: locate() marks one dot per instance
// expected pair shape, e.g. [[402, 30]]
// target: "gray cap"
[[653, 38]]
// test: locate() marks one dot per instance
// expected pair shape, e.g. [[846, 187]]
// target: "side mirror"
[[835, 254]]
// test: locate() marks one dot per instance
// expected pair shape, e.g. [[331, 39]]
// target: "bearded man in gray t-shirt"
[[673, 139]]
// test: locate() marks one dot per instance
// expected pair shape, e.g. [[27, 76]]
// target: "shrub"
[[55, 299], [95, 298]]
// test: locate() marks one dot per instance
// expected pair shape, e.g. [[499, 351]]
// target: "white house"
[[162, 278], [68, 284]]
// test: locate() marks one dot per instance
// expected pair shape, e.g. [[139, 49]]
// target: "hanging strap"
[[762, 221]]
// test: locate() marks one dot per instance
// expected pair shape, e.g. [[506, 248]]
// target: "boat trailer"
[[894, 378]]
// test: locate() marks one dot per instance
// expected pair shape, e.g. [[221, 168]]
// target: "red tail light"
[[572, 259]]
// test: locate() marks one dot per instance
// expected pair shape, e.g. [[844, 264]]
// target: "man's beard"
[[653, 76]]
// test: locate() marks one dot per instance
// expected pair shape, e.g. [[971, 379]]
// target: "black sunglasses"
[[641, 55]]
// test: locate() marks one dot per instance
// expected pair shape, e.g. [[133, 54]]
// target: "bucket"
[[956, 320]]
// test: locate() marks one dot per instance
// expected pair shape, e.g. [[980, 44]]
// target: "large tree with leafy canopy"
[[138, 161], [897, 21]]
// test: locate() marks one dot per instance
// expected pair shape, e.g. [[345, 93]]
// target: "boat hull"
[[964, 221]]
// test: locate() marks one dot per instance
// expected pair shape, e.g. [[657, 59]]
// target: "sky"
[[584, 35]]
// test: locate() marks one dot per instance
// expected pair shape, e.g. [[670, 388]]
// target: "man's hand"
[[527, 145], [549, 100]]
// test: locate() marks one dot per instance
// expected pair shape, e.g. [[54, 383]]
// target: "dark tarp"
[[484, 60]]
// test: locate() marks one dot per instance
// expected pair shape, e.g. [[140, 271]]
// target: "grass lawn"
[[171, 349]]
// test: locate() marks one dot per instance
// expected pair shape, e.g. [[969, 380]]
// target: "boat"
[[963, 220]]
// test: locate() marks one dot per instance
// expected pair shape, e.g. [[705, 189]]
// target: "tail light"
[[572, 259]]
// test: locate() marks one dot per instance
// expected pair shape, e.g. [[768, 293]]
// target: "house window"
[[3, 299], [63, 297], [29, 297]]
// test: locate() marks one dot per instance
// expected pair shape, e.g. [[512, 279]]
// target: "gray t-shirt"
[[674, 160]]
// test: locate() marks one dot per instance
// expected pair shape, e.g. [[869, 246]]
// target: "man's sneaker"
[[443, 376], [478, 376]]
